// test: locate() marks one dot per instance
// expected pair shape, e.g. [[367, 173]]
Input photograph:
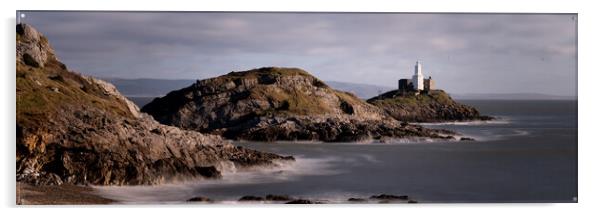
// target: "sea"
[[528, 154]]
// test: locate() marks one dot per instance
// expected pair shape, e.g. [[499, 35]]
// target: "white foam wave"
[[177, 192], [467, 123]]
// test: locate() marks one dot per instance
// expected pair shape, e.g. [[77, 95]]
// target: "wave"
[[467, 123], [178, 192]]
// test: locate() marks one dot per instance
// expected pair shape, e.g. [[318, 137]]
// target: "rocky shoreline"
[[65, 194], [68, 194], [78, 130], [74, 129]]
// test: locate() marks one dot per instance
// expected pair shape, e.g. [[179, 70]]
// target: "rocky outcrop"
[[273, 103], [36, 51], [434, 106], [81, 130]]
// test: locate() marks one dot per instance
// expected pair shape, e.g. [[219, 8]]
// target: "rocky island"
[[273, 103], [77, 129], [431, 106], [417, 100]]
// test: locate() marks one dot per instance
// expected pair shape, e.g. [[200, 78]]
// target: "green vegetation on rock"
[[434, 106]]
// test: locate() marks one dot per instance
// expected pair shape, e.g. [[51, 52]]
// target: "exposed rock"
[[268, 104], [356, 200], [389, 197], [412, 201], [199, 199], [88, 133], [34, 49], [435, 106], [302, 201], [466, 139], [251, 198], [272, 197]]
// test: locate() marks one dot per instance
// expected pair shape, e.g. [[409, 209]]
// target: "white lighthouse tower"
[[418, 78]]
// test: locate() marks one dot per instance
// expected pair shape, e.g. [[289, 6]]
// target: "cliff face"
[[77, 129], [436, 106], [276, 104]]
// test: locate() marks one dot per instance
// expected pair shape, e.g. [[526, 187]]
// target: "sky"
[[463, 53]]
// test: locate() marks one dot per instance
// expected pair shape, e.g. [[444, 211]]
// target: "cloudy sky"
[[464, 53]]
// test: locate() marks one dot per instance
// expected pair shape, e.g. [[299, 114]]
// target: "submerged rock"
[[86, 132], [199, 199], [389, 197], [272, 197], [356, 199], [302, 201], [251, 198]]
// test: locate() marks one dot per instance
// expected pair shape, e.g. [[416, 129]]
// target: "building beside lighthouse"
[[418, 84]]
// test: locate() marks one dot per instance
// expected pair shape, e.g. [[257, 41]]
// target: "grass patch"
[[38, 102]]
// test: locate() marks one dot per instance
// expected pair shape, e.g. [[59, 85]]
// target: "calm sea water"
[[529, 154]]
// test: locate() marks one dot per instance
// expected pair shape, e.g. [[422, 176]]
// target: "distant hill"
[[511, 96], [363, 91], [148, 87]]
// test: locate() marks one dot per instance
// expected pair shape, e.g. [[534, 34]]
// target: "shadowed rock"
[[272, 197], [251, 198], [356, 200], [302, 201], [389, 197], [199, 199]]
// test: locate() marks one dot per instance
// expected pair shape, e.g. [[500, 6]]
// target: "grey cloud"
[[463, 52]]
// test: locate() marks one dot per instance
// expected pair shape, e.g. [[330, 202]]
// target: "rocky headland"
[[432, 106], [77, 129], [272, 103]]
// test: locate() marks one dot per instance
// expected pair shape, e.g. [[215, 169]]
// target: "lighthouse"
[[417, 79], [417, 84]]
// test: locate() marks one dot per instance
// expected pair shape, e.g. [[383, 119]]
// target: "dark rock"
[[30, 60], [209, 172], [272, 197], [251, 198], [356, 200], [466, 139], [412, 201], [389, 197], [199, 199], [346, 107], [301, 201]]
